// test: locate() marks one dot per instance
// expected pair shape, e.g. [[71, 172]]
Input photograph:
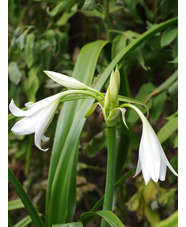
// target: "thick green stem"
[[110, 176]]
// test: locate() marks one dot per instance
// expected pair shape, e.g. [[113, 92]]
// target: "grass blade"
[[15, 204], [25, 199], [24, 222], [107, 215]]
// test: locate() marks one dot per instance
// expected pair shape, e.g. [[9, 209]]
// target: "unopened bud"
[[107, 102], [91, 110], [113, 88], [117, 78]]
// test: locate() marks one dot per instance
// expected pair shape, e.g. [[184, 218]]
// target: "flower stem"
[[110, 176]]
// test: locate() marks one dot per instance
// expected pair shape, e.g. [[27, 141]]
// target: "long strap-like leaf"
[[25, 199], [62, 175], [69, 128], [107, 215]]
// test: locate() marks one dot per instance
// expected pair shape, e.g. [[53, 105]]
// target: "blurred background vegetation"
[[48, 35]]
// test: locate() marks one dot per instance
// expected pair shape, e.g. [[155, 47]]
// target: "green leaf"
[[93, 146], [167, 198], [31, 84], [142, 95], [107, 215], [72, 224], [89, 5], [65, 17], [174, 60], [23, 222], [62, 5], [14, 72], [93, 13], [141, 60], [28, 51], [151, 215], [168, 7], [60, 202], [118, 43], [15, 204], [170, 221], [25, 199], [173, 89], [22, 37], [167, 130], [158, 102], [166, 84], [169, 36]]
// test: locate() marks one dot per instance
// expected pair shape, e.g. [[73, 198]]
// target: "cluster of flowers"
[[36, 119]]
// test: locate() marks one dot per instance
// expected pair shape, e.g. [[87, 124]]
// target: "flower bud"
[[91, 110], [107, 105]]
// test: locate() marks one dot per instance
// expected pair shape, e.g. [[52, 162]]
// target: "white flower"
[[36, 119], [152, 160], [66, 81]]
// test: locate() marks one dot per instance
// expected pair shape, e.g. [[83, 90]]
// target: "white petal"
[[150, 158], [123, 110], [66, 81], [35, 107], [47, 116], [29, 105], [146, 177], [25, 126], [15, 110], [45, 139], [164, 158], [163, 169], [37, 140], [151, 155], [138, 169]]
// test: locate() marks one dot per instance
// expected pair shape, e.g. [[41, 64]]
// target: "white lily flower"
[[36, 119], [66, 81], [152, 160]]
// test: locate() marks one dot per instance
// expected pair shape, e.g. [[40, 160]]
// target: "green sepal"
[[91, 110], [113, 118]]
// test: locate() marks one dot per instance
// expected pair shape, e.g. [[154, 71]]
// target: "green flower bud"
[[91, 110], [107, 105], [113, 89], [117, 78]]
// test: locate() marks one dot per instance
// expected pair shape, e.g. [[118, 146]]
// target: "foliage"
[[86, 39]]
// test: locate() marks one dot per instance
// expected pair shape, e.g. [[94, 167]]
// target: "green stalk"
[[110, 176]]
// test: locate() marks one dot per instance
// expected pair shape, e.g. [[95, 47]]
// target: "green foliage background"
[[48, 35]]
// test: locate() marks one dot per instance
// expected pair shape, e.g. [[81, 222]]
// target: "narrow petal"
[[65, 81], [15, 110], [29, 105], [138, 169], [163, 169], [123, 110], [146, 162], [38, 106], [164, 158], [25, 126], [37, 140], [151, 154], [47, 116], [45, 139]]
